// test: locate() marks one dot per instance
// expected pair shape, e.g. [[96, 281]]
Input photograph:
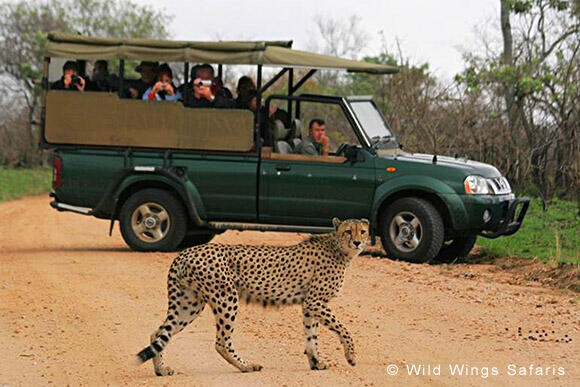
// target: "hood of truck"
[[468, 167]]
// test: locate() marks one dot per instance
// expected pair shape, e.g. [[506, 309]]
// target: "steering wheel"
[[341, 149]]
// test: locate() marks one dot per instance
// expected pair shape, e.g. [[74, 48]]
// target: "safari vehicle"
[[175, 176]]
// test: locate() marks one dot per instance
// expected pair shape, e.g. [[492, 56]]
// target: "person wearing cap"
[[164, 89], [148, 71], [70, 79]]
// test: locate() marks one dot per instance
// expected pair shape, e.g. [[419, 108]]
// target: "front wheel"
[[412, 230], [457, 248], [153, 220]]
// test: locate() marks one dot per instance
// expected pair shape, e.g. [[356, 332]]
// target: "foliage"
[[532, 87], [551, 235], [24, 28], [15, 183]]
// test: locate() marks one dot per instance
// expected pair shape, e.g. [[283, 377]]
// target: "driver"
[[316, 144]]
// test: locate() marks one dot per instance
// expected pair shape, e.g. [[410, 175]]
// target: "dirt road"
[[76, 305]]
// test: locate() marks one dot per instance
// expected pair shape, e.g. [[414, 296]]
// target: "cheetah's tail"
[[162, 337], [145, 354]]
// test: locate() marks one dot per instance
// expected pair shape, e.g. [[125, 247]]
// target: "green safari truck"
[[174, 176]]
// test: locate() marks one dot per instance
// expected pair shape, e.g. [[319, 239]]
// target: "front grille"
[[500, 185]]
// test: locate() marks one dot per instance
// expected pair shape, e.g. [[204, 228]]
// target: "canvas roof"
[[268, 53]]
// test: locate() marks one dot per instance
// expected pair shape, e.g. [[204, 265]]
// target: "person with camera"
[[70, 80], [163, 89], [208, 91]]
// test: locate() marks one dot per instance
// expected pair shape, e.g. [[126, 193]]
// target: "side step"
[[67, 207], [268, 227]]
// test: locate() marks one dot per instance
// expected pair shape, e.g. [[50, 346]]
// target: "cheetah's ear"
[[365, 221], [335, 223]]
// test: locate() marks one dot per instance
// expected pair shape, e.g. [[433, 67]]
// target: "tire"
[[412, 230], [153, 220], [196, 240], [457, 248]]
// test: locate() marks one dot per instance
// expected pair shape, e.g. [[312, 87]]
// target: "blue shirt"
[[175, 97]]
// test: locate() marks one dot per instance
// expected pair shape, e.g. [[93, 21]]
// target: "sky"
[[433, 31]]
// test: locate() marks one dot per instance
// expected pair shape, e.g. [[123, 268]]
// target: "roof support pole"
[[220, 72], [44, 94], [273, 80], [258, 104], [121, 76], [304, 79], [186, 88], [290, 85]]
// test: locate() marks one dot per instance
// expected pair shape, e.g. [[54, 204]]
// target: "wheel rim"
[[406, 231], [150, 222]]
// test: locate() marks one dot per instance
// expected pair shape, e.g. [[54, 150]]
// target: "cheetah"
[[309, 273]]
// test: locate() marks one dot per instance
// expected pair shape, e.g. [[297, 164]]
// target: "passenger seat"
[[280, 134], [295, 137]]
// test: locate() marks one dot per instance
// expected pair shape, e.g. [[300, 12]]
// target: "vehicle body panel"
[[312, 193]]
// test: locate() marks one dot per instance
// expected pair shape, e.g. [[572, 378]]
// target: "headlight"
[[476, 185]]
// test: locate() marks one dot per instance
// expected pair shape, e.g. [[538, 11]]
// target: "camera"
[[75, 80], [203, 82]]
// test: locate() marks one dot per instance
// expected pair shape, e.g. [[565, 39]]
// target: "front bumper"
[[511, 219]]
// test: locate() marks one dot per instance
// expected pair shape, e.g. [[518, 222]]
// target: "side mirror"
[[353, 154]]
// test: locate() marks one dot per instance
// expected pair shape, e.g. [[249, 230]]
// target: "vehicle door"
[[310, 190]]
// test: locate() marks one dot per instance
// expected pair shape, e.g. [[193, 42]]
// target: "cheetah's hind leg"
[[184, 306], [225, 309]]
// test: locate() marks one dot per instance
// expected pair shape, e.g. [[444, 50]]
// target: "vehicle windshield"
[[373, 124]]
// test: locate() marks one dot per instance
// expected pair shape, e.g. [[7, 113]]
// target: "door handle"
[[281, 167]]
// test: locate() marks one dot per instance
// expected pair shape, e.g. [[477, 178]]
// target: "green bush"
[[15, 183], [552, 235]]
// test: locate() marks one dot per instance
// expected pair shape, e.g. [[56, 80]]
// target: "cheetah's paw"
[[164, 371]]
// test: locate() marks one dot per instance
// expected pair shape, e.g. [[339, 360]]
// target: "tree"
[[534, 75], [24, 27], [343, 38]]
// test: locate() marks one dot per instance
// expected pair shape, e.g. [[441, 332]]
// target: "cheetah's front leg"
[[311, 350], [324, 315]]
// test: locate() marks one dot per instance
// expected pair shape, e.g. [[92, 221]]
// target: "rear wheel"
[[412, 230], [153, 220], [456, 248]]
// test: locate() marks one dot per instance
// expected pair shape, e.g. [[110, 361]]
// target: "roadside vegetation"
[[553, 236], [18, 182]]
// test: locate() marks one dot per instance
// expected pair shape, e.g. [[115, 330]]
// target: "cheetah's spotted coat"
[[310, 273]]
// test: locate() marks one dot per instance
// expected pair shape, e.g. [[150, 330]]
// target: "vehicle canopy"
[[106, 119], [268, 53]]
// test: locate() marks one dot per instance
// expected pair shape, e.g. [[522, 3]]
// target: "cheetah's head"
[[353, 235]]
